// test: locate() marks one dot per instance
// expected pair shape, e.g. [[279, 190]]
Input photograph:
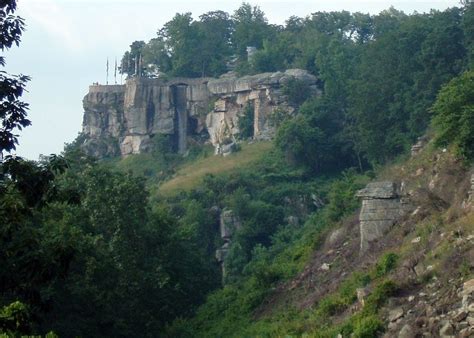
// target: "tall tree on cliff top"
[[182, 39], [12, 110], [215, 30], [251, 28], [130, 59], [198, 48]]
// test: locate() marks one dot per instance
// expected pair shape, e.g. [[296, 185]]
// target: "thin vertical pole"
[[107, 72], [115, 71]]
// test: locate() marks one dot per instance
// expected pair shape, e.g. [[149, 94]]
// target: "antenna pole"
[[107, 72]]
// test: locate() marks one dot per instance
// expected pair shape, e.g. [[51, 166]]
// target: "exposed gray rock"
[[420, 269], [395, 314], [460, 316], [446, 330], [467, 332], [407, 332], [469, 202], [468, 287], [293, 220], [228, 224], [383, 204], [380, 190], [420, 143], [103, 120], [130, 114], [325, 267], [103, 111], [133, 112], [135, 144], [262, 92], [336, 237], [222, 253], [226, 149]]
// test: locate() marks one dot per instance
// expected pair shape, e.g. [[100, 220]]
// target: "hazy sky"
[[67, 43]]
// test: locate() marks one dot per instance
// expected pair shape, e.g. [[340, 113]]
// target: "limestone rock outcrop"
[[383, 204], [129, 115], [469, 202], [262, 92], [122, 119], [103, 119], [228, 225], [418, 146]]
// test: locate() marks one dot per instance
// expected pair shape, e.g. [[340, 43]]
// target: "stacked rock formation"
[[122, 119], [383, 204]]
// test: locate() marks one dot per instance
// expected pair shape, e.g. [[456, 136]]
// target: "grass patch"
[[190, 175]]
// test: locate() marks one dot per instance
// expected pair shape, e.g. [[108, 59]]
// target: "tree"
[[12, 110], [454, 115], [183, 39], [468, 28], [197, 48], [251, 29], [155, 57], [131, 59], [215, 29], [301, 142]]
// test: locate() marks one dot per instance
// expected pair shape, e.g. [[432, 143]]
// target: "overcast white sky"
[[67, 43]]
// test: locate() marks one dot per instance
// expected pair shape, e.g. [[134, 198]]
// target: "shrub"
[[368, 327], [378, 297], [386, 264]]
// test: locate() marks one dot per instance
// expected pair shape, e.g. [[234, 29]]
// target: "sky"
[[67, 43]]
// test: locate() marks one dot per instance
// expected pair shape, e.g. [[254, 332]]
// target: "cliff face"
[[383, 204], [122, 119]]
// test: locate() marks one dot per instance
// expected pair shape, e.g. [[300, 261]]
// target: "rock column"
[[382, 206], [228, 224]]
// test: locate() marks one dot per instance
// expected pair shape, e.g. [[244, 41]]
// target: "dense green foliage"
[[12, 110], [454, 119], [94, 245], [379, 73], [88, 251]]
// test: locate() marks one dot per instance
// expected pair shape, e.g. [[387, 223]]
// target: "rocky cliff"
[[122, 119]]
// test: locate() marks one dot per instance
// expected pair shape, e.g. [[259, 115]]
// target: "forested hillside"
[[380, 73], [127, 247]]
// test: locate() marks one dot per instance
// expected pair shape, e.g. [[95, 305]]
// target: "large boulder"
[[383, 204]]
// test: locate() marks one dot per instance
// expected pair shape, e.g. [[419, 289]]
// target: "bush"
[[368, 327], [379, 296], [301, 142], [161, 145], [386, 264]]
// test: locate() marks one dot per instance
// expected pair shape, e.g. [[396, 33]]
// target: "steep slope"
[[190, 175], [432, 249], [413, 277]]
